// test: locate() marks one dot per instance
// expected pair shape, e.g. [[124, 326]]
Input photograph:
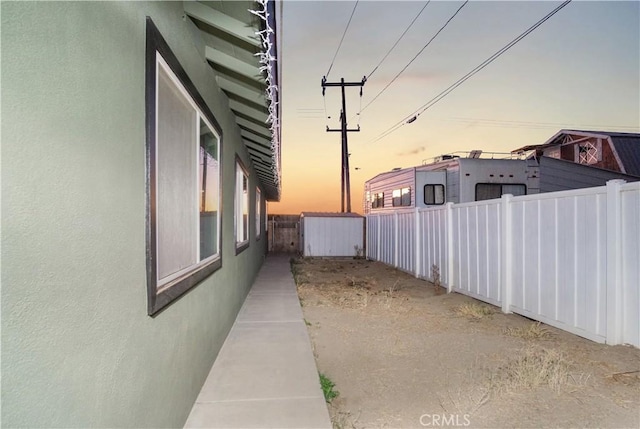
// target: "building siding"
[[386, 183], [78, 348], [560, 175]]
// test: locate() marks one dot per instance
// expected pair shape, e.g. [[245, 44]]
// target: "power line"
[[341, 40], [416, 56], [413, 116], [504, 123], [399, 39]]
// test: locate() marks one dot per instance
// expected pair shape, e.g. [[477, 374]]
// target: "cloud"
[[414, 151]]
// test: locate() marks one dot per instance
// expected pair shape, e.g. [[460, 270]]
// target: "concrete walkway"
[[265, 375]]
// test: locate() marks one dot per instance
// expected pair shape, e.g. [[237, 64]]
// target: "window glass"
[[378, 200], [176, 174], [258, 211], [406, 197], [433, 194], [208, 179], [183, 179], [396, 199], [514, 190], [401, 197], [490, 191], [242, 206]]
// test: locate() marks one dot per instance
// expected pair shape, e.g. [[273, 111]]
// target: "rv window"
[[401, 197], [406, 197], [490, 191], [184, 176], [514, 190], [378, 201], [433, 194]]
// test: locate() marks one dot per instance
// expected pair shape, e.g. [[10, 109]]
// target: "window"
[[588, 153], [401, 197], [183, 179], [434, 194], [378, 200], [241, 207], [490, 191], [258, 213]]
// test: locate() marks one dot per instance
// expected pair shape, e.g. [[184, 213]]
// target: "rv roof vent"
[[396, 169], [448, 157], [475, 153]]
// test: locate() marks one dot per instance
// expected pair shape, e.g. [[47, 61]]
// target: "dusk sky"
[[578, 70]]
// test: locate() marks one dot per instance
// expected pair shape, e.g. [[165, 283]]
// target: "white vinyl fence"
[[570, 259]]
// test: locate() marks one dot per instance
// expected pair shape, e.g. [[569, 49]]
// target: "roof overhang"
[[241, 46]]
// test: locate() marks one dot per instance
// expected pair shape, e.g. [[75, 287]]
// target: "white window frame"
[[241, 203], [162, 291], [258, 213], [588, 152]]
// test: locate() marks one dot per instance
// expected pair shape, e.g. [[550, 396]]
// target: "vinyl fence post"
[[449, 220], [418, 241], [614, 309], [395, 239], [366, 236], [379, 223], [506, 252]]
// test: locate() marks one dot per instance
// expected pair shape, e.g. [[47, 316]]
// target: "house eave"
[[241, 46]]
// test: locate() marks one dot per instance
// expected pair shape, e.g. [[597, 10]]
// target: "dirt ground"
[[402, 353]]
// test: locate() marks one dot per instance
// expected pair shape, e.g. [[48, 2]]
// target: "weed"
[[359, 252], [474, 310], [306, 322], [342, 419], [534, 367], [327, 388], [629, 378], [435, 278], [390, 292], [535, 331]]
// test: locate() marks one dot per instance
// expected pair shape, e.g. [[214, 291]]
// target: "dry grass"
[[533, 367], [474, 310], [630, 378], [534, 331]]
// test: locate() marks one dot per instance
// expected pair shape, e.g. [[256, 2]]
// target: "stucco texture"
[[78, 348]]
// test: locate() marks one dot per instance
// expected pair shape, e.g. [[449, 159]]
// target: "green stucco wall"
[[78, 349]]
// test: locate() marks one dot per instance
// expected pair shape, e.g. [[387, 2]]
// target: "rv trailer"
[[451, 178], [464, 177]]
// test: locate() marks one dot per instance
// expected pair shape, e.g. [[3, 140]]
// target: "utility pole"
[[345, 179]]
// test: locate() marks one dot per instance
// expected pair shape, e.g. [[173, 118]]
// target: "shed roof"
[[330, 214]]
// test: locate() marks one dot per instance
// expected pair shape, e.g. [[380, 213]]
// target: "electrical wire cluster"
[[412, 117]]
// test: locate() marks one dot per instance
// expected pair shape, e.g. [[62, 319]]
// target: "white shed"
[[331, 234]]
